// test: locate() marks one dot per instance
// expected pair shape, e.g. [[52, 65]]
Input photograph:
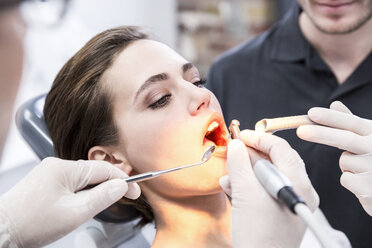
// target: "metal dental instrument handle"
[[282, 123], [152, 174], [234, 129]]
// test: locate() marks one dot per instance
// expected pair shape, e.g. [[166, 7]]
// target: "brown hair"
[[78, 109]]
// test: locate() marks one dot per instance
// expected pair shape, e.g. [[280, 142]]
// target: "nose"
[[200, 100]]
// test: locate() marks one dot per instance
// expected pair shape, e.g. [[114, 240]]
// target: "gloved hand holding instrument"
[[254, 209], [55, 192]]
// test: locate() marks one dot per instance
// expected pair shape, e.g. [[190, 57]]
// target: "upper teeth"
[[213, 126]]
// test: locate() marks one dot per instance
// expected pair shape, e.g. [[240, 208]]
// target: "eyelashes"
[[162, 102], [200, 83], [165, 99]]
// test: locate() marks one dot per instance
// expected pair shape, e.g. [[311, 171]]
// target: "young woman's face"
[[163, 114]]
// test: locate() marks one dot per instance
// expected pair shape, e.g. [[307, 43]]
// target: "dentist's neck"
[[342, 52]]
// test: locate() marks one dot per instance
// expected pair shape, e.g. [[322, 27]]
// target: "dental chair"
[[116, 224]]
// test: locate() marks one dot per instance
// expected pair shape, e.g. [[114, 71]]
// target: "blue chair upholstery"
[[31, 124]]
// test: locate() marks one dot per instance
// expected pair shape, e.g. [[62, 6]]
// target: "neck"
[[203, 221], [342, 52]]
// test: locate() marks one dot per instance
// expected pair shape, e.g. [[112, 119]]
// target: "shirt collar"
[[360, 77]]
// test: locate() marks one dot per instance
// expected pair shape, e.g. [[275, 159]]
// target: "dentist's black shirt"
[[279, 74]]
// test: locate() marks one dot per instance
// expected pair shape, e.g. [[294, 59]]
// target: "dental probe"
[[152, 174], [280, 188], [282, 123]]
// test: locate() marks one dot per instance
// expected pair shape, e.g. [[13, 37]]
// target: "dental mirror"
[[149, 175]]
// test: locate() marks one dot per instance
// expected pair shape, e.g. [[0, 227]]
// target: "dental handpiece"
[[273, 181], [153, 174], [280, 188], [282, 123]]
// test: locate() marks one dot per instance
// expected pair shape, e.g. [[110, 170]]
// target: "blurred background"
[[198, 30]]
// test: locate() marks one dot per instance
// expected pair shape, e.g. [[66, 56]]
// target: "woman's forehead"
[[144, 58], [139, 61], [150, 55]]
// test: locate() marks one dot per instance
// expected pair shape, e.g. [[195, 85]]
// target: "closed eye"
[[162, 102]]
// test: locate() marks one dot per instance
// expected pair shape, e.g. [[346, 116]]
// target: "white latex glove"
[[49, 202], [257, 219], [347, 132]]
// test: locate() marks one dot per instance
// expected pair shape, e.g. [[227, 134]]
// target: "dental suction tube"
[[282, 123]]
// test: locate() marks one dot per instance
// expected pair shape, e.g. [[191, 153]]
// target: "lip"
[[334, 7], [334, 3], [220, 151]]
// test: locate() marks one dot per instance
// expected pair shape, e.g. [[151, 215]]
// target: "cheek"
[[145, 142], [215, 104], [308, 7], [303, 4], [160, 142]]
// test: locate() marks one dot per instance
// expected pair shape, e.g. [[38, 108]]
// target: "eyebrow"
[[187, 67], [160, 77]]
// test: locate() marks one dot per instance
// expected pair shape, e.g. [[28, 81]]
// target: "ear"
[[115, 158]]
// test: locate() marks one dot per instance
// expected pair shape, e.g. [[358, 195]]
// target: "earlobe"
[[104, 154]]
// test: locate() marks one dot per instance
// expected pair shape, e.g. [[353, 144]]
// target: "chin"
[[340, 24], [337, 26]]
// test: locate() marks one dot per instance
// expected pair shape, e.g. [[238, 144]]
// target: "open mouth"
[[216, 132]]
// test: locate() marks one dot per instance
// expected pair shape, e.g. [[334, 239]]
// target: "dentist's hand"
[[257, 219], [50, 201], [347, 132]]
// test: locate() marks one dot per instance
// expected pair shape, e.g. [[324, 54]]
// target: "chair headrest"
[[30, 123]]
